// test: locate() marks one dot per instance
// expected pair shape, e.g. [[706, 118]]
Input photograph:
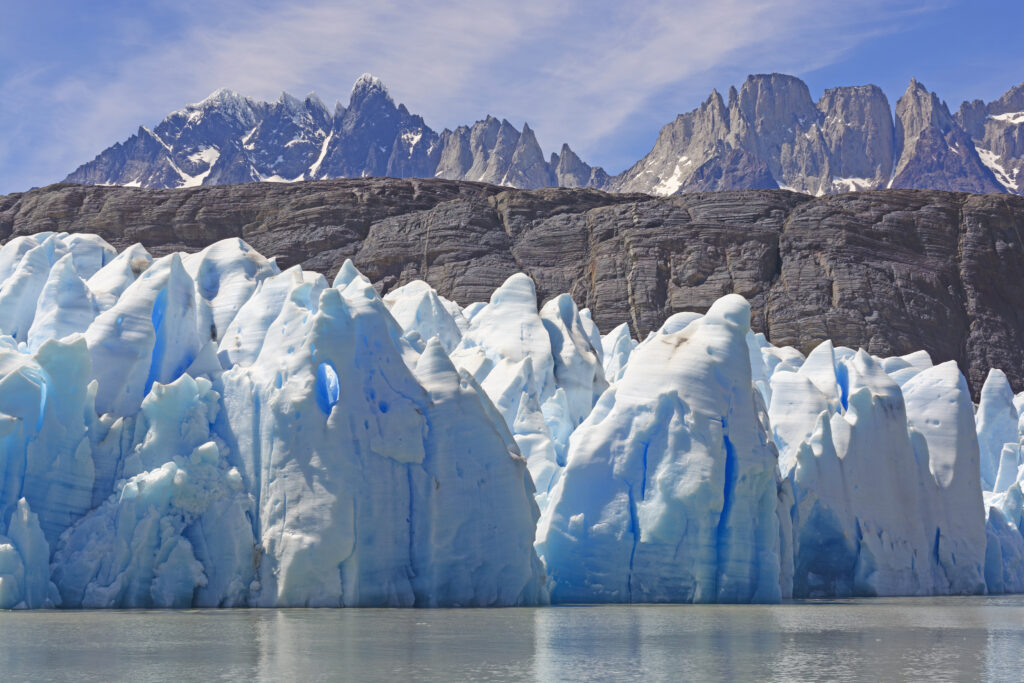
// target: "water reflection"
[[882, 640]]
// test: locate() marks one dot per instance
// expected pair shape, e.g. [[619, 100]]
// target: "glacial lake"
[[880, 640]]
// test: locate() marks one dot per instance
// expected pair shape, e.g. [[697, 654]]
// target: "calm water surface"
[[944, 639]]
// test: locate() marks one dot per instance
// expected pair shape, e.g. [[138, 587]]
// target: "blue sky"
[[603, 76]]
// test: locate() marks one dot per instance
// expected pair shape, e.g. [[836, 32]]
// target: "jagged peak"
[[224, 101], [1010, 101], [485, 122], [218, 97], [510, 133], [368, 88], [314, 103], [917, 92], [368, 84], [714, 99], [291, 102], [567, 157], [915, 86]]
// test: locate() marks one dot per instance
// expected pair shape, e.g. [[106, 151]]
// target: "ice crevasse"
[[206, 430]]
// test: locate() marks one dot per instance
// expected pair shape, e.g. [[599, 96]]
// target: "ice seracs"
[[206, 430], [669, 489]]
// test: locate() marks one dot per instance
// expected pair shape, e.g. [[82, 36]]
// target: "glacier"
[[205, 429]]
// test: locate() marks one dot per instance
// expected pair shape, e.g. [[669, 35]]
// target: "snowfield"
[[207, 430]]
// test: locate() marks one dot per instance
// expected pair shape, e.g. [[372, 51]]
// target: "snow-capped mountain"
[[767, 134], [228, 138]]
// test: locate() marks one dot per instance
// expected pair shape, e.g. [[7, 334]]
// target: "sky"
[[602, 75]]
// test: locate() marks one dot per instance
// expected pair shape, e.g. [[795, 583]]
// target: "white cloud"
[[581, 72]]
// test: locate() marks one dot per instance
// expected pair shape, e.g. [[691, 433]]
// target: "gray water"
[[942, 639]]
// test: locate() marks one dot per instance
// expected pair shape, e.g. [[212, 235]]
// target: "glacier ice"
[[669, 490], [206, 430]]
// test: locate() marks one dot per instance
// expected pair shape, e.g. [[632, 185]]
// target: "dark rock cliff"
[[891, 271]]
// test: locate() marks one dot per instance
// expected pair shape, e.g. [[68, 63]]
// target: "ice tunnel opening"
[[843, 379], [209, 280], [160, 343], [328, 387]]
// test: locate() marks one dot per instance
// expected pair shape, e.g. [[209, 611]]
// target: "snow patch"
[[670, 185], [279, 179], [314, 169], [853, 184], [992, 160], [1013, 117], [410, 139], [207, 155]]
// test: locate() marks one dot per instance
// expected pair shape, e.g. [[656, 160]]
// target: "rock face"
[[891, 271], [768, 134], [858, 128]]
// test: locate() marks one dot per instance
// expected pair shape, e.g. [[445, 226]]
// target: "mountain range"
[[767, 134]]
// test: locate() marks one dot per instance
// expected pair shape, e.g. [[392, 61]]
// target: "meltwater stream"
[[923, 639]]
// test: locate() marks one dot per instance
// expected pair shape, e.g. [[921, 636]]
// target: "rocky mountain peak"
[[527, 168], [932, 150], [317, 110], [368, 83], [772, 100], [220, 97], [919, 108], [769, 120], [857, 126], [370, 92], [1011, 101], [734, 95], [971, 117]]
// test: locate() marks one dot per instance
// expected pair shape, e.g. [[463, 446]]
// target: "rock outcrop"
[[891, 271]]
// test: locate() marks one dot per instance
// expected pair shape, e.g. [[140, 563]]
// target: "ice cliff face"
[[207, 430], [670, 485], [218, 432]]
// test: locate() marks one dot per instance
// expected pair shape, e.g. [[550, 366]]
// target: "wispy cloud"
[[581, 72]]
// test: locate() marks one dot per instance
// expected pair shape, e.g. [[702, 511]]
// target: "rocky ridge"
[[891, 271]]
